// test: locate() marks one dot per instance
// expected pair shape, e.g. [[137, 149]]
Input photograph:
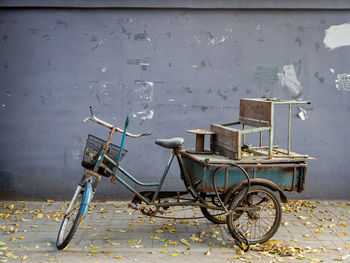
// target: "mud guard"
[[256, 181]]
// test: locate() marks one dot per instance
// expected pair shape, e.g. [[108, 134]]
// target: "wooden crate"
[[226, 141]]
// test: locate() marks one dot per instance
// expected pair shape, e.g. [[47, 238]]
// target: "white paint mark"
[[337, 36], [332, 70], [288, 79], [258, 27], [76, 154], [145, 115], [75, 87], [104, 69], [216, 40], [342, 82], [196, 40], [3, 105], [171, 100]]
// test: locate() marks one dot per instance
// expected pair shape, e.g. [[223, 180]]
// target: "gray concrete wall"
[[172, 68]]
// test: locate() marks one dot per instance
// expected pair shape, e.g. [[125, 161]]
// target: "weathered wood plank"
[[255, 112]]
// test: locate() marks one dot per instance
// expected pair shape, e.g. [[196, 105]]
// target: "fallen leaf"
[[184, 241], [94, 251], [37, 246], [117, 257], [164, 251], [207, 253], [107, 252], [174, 255]]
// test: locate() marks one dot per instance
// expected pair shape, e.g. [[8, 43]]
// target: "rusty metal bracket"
[[89, 172]]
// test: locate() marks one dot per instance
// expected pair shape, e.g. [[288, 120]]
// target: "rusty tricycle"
[[232, 183]]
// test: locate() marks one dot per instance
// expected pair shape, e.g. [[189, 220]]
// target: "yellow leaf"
[[171, 230], [37, 246], [117, 257], [184, 241], [123, 231], [159, 231], [338, 259], [164, 251], [50, 201], [306, 235], [137, 246], [343, 233], [174, 255], [172, 242], [347, 246], [94, 251], [48, 244], [52, 259], [107, 252], [115, 244], [240, 252], [315, 260], [11, 206], [130, 241], [2, 244], [319, 232]]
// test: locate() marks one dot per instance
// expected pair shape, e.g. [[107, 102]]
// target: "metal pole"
[[289, 124]]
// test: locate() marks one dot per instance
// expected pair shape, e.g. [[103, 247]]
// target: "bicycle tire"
[[79, 205], [271, 207], [214, 216]]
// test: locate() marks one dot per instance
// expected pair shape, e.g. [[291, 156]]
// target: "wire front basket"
[[92, 150]]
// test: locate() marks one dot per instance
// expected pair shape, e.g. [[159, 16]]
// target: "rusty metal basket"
[[92, 150]]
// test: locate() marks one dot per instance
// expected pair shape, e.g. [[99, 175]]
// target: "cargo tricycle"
[[232, 183]]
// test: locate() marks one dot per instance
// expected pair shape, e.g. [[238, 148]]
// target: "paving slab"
[[113, 232]]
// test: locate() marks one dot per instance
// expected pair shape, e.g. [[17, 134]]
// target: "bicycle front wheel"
[[75, 213]]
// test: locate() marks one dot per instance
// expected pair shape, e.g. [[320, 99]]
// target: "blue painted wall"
[[171, 69]]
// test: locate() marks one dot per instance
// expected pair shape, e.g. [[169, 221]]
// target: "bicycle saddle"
[[172, 143]]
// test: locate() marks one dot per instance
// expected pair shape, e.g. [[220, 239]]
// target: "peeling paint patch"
[[145, 90], [320, 79], [337, 36], [142, 62], [342, 82], [144, 115], [289, 80], [332, 70]]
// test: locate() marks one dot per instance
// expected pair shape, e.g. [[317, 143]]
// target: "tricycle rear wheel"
[[214, 216], [262, 217]]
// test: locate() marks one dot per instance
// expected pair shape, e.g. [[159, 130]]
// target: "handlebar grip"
[[146, 134]]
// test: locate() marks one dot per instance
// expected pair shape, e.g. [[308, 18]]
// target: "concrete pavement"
[[312, 231]]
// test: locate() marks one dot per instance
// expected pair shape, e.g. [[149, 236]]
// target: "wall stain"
[[209, 91], [224, 97], [298, 40], [204, 108], [320, 79], [5, 37], [235, 89], [301, 29], [98, 98], [93, 38], [2, 21], [261, 40], [6, 66], [317, 47], [141, 36], [170, 65], [124, 31], [187, 89], [168, 34], [62, 23]]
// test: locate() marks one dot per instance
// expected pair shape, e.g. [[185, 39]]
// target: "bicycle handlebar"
[[110, 126]]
